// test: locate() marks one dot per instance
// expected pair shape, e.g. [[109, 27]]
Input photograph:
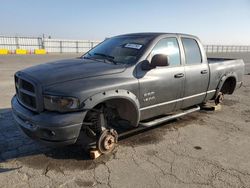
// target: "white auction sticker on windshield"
[[134, 46]]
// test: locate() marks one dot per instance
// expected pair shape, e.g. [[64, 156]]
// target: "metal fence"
[[226, 48], [51, 45], [28, 43], [79, 46], [73, 46]]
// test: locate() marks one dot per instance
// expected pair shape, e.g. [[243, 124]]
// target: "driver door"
[[161, 88]]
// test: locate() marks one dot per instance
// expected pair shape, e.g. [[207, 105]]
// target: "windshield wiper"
[[107, 57], [104, 55], [92, 58], [85, 57]]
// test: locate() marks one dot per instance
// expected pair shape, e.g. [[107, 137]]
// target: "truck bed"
[[218, 60], [223, 66]]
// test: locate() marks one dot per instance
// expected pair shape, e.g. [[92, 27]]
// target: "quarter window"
[[170, 47], [192, 51]]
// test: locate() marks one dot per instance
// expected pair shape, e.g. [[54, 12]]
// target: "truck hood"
[[71, 69]]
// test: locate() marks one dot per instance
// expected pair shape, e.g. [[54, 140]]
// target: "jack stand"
[[211, 107], [94, 153]]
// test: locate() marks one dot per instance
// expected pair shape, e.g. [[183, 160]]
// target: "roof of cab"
[[155, 34]]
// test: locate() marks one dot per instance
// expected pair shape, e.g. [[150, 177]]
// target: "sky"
[[213, 21]]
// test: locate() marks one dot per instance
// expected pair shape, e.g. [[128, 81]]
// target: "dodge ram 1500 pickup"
[[126, 81]]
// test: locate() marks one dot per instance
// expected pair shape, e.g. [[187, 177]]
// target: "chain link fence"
[[80, 46]]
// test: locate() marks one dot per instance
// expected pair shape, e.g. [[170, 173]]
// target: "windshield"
[[122, 49]]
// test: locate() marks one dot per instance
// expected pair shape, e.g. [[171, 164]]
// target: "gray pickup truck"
[[127, 81]]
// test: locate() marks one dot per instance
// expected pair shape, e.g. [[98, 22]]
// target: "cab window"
[[192, 51], [170, 47]]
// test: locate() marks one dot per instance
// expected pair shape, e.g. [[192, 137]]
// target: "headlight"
[[61, 104]]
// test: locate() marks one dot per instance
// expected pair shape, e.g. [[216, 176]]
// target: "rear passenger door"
[[196, 73]]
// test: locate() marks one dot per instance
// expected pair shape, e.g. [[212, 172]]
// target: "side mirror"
[[145, 65], [159, 60]]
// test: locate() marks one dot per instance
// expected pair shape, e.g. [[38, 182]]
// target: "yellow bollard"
[[40, 51], [21, 51], [4, 51]]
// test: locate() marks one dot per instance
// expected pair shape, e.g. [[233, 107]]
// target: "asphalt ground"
[[203, 149]]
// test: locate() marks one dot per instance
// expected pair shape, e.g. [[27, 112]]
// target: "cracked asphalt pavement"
[[203, 149]]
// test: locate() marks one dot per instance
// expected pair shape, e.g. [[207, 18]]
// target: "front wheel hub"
[[107, 141]]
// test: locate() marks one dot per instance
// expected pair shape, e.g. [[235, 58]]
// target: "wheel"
[[219, 98], [107, 141]]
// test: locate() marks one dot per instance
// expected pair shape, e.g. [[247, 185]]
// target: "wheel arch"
[[123, 99], [227, 84]]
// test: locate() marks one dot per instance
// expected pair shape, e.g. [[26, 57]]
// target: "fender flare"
[[223, 79], [98, 98]]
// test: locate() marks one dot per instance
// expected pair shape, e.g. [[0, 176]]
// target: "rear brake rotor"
[[219, 98]]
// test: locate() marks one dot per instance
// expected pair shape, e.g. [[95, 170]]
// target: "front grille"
[[28, 100], [26, 93], [28, 86]]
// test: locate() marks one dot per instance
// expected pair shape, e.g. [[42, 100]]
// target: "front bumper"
[[51, 128]]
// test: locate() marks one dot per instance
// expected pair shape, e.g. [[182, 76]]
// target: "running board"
[[170, 117], [145, 125]]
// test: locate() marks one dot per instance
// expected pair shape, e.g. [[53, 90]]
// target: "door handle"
[[179, 75], [204, 72]]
